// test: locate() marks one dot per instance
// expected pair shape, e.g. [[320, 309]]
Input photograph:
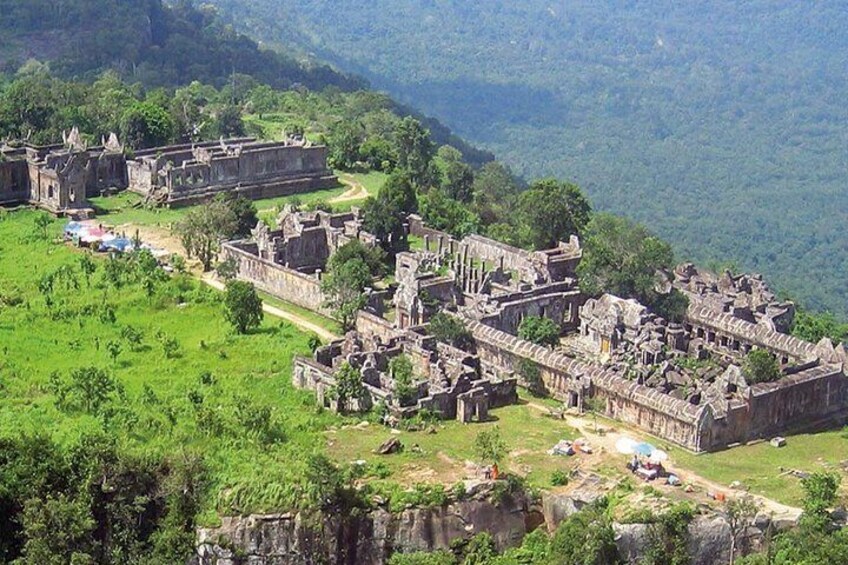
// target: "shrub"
[[760, 366]]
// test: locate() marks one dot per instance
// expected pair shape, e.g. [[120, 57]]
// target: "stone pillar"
[[426, 242]]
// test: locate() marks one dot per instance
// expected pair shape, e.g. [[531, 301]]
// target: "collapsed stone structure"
[[679, 381], [186, 174], [288, 262], [447, 381], [486, 280], [60, 178]]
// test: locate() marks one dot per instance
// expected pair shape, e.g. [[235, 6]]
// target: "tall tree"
[[415, 150], [145, 124], [242, 306], [551, 211], [204, 227], [343, 287], [625, 259], [456, 177]]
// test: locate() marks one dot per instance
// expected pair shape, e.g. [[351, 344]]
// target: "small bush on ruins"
[[539, 330], [449, 329], [242, 306], [400, 368], [760, 366]]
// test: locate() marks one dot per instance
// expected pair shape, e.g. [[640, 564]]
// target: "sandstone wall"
[[286, 284], [14, 180]]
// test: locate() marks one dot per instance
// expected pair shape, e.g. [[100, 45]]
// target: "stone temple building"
[[682, 382], [61, 178], [187, 174], [447, 381]]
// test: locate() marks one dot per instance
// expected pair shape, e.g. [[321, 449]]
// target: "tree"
[[455, 176], [494, 189], [813, 326], [348, 386], [532, 375], [374, 257], [551, 211], [400, 368], [415, 150], [59, 530], [585, 538], [539, 330], [760, 366], [448, 329], [204, 227], [145, 124], [228, 122], [623, 258], [244, 211], [88, 267], [344, 145], [489, 447], [344, 287], [385, 214], [740, 512], [263, 99], [444, 213], [227, 269], [113, 347], [242, 306], [92, 387]]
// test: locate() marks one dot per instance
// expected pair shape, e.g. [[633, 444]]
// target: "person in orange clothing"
[[495, 472]]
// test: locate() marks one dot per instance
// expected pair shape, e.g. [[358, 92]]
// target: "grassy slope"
[[256, 367]]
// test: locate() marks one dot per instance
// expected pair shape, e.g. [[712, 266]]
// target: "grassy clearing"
[[527, 433], [198, 400], [762, 468]]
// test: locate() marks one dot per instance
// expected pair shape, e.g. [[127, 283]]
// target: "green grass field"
[[124, 208], [763, 469], [167, 404]]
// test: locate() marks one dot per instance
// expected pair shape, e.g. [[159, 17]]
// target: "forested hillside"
[[720, 124]]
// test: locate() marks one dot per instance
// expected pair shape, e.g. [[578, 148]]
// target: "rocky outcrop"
[[371, 538], [283, 539]]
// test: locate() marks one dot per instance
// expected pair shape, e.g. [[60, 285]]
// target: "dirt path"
[[608, 441], [164, 239], [300, 322], [356, 191]]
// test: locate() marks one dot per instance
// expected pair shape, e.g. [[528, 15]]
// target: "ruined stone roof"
[[756, 334], [599, 376]]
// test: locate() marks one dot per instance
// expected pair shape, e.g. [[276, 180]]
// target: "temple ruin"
[[61, 178], [682, 382], [288, 262], [181, 175]]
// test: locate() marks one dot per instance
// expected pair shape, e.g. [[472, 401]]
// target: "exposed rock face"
[[370, 539], [283, 539]]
